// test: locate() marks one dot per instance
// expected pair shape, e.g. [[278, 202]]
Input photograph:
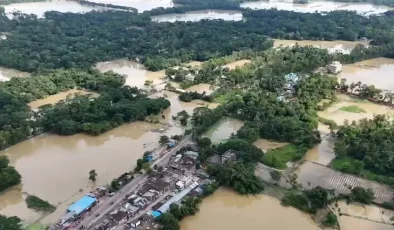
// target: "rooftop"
[[82, 204], [157, 185]]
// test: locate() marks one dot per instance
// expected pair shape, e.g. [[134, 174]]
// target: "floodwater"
[[376, 72], [317, 6], [201, 88], [51, 163], [39, 8], [136, 73], [323, 153], [227, 210], [266, 145], [236, 64], [140, 5], [223, 129], [351, 223], [194, 16], [335, 113], [53, 99], [344, 47], [6, 74]]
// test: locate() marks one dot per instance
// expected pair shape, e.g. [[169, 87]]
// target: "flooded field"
[[201, 88], [235, 64], [227, 210], [337, 113], [319, 6], [39, 8], [266, 145], [135, 72], [53, 99], [223, 129], [200, 15], [140, 5], [50, 163], [376, 72], [344, 47], [351, 223], [6, 74]]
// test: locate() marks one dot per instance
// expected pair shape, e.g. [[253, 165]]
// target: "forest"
[[80, 40], [8, 175]]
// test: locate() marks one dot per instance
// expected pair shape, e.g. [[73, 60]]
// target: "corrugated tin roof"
[[82, 204]]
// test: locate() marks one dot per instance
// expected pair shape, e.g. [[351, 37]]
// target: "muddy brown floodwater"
[[135, 72], [266, 145], [377, 71], [200, 15], [344, 47], [55, 167], [227, 210], [53, 99]]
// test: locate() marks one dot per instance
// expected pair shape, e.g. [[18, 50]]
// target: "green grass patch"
[[356, 167], [36, 226], [327, 121], [352, 109], [38, 204], [277, 158]]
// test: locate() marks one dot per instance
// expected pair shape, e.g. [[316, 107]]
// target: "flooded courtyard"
[[193, 16], [319, 6], [223, 129], [344, 47], [227, 210]]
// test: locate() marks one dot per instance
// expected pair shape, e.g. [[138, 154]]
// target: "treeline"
[[8, 175], [365, 148], [11, 223], [190, 96], [80, 40]]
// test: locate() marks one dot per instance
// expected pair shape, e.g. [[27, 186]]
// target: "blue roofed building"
[[82, 205]]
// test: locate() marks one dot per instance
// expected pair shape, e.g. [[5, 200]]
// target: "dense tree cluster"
[[370, 142], [8, 175], [95, 116], [238, 176], [308, 200], [10, 223], [190, 96], [38, 204]]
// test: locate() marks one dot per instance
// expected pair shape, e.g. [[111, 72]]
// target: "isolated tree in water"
[[92, 175], [164, 140]]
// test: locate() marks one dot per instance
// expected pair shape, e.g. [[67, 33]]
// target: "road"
[[105, 205]]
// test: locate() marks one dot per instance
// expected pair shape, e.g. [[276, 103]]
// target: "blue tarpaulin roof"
[[81, 205], [156, 214]]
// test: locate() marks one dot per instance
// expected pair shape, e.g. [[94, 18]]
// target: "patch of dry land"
[[353, 109]]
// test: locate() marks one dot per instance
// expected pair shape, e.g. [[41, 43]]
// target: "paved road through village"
[[105, 206]]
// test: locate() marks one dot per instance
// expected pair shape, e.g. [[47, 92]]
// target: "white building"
[[334, 68]]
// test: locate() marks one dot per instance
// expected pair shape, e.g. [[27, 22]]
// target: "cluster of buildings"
[[334, 68], [79, 208], [154, 197]]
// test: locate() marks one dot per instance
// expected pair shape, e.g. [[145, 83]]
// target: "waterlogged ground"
[[377, 71], [344, 47], [319, 6], [227, 210], [193, 16], [266, 145], [140, 5], [6, 74]]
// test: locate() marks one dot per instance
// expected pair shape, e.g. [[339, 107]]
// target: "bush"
[[331, 220]]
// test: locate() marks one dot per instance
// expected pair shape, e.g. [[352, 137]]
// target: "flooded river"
[[227, 210], [344, 47], [39, 8], [6, 74], [140, 5], [200, 15], [376, 72], [223, 129], [319, 6]]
